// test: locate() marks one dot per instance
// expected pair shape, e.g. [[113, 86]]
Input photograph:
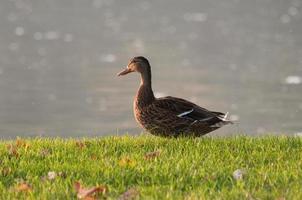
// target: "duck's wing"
[[188, 110]]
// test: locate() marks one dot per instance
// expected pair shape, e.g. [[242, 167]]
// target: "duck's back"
[[171, 116]]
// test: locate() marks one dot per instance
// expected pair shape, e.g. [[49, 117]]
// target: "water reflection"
[[59, 59]]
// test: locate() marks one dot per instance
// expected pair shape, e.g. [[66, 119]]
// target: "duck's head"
[[137, 64]]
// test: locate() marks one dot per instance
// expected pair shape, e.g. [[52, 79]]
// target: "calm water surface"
[[59, 59]]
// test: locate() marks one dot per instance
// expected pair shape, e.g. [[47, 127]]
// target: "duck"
[[169, 116]]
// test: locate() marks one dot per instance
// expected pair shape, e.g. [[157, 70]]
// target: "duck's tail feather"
[[223, 121]]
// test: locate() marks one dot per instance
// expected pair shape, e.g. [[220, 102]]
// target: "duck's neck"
[[144, 96]]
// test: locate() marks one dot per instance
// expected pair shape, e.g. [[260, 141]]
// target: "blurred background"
[[59, 59]]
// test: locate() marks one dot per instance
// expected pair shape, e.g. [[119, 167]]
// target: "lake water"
[[59, 59]]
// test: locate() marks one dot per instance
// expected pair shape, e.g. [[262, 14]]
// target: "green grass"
[[185, 169]]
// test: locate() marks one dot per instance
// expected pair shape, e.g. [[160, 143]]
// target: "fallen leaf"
[[43, 178], [23, 187], [210, 178], [45, 152], [152, 155], [249, 196], [80, 144], [131, 193], [93, 157], [6, 171], [62, 174], [88, 193], [12, 150], [124, 162], [90, 198], [51, 175], [21, 143], [238, 174]]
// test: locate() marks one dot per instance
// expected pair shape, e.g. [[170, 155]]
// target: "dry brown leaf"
[[249, 196], [21, 143], [93, 157], [88, 193], [44, 152], [62, 174], [80, 144], [124, 162], [12, 150], [23, 187], [210, 178], [6, 171], [152, 155], [90, 198], [43, 178], [131, 193]]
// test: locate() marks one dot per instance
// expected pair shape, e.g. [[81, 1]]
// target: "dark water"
[[59, 59]]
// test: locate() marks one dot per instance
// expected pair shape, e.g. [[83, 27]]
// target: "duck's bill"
[[124, 72]]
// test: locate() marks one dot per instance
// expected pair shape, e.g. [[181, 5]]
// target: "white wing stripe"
[[205, 119], [224, 118], [185, 113]]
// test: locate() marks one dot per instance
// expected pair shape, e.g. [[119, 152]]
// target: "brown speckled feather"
[[161, 117]]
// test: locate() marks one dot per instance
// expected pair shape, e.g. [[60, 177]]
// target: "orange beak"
[[124, 72]]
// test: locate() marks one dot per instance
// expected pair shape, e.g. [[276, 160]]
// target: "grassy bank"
[[147, 167]]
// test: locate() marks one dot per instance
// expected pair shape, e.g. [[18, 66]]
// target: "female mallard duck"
[[169, 116]]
